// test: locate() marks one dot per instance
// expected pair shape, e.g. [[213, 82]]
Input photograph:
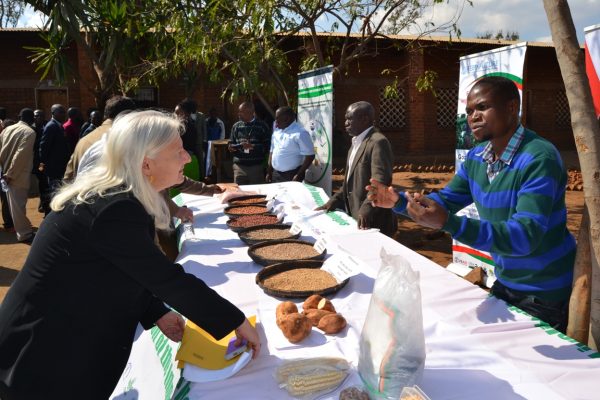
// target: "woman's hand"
[[248, 332], [172, 325]]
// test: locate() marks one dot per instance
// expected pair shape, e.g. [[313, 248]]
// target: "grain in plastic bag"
[[392, 342]]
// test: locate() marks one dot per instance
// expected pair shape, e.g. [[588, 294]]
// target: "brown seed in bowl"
[[300, 279], [256, 200], [353, 393], [247, 210], [246, 221], [269, 234], [286, 251]]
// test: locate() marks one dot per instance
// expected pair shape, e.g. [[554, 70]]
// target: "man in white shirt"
[[370, 155], [292, 149]]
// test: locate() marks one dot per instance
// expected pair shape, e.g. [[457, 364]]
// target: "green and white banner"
[[151, 372], [506, 62], [315, 113]]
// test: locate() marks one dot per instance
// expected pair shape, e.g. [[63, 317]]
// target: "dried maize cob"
[[310, 365], [300, 385]]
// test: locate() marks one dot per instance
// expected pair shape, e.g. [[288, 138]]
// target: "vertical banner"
[[506, 62], [151, 371], [315, 113], [592, 63]]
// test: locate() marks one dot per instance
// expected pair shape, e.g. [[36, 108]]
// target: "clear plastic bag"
[[309, 378], [392, 343]]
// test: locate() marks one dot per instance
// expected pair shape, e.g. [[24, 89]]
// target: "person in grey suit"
[[370, 155]]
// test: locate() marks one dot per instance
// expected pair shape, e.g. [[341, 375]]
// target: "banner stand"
[[507, 62], [315, 113]]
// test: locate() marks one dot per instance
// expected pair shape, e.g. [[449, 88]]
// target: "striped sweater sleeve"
[[454, 197], [457, 194], [523, 231]]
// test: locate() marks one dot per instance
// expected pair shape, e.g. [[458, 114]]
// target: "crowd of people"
[[106, 195]]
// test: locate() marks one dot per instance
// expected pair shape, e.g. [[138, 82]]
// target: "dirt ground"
[[432, 244]]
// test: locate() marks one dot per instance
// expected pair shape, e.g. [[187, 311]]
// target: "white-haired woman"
[[68, 322]]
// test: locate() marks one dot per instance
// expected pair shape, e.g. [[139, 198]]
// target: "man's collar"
[[289, 126], [361, 137], [509, 152]]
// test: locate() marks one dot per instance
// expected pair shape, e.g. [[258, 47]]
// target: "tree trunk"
[[593, 340], [585, 128], [579, 307]]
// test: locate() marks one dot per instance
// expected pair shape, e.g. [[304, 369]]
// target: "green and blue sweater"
[[523, 217]]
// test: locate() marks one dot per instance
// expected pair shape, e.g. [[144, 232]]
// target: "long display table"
[[477, 346]]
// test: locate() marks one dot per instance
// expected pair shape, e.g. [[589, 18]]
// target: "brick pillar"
[[415, 105]]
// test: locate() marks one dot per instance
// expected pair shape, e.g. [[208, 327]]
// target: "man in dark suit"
[[38, 126], [54, 148], [370, 155]]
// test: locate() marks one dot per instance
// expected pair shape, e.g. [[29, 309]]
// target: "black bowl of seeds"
[[277, 251], [251, 209], [246, 221], [266, 233], [297, 280], [255, 199]]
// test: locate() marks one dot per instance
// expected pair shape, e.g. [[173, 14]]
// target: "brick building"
[[417, 123]]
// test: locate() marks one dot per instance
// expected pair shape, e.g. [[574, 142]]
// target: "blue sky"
[[527, 17]]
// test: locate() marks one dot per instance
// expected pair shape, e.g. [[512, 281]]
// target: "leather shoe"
[[28, 240]]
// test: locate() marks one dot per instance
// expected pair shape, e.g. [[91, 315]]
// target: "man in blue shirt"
[[292, 149]]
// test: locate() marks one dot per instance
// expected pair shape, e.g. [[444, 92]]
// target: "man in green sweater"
[[517, 181]]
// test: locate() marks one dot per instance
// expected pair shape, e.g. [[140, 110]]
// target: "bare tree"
[[585, 129], [10, 12]]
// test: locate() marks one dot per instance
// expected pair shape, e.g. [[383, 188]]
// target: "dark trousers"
[[6, 217], [248, 174], [53, 185], [555, 314], [44, 190], [286, 176]]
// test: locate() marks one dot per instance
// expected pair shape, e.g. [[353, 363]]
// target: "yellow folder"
[[199, 348]]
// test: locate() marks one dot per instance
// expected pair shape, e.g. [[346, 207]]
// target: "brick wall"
[[543, 88], [18, 79], [421, 134]]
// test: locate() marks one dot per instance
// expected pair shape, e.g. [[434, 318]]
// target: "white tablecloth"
[[477, 346]]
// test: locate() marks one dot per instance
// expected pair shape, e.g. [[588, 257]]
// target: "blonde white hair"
[[131, 138]]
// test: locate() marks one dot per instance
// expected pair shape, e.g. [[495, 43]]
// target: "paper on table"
[[342, 266], [296, 228], [321, 244]]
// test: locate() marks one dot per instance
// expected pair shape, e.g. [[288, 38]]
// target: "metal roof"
[[437, 39], [428, 38]]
